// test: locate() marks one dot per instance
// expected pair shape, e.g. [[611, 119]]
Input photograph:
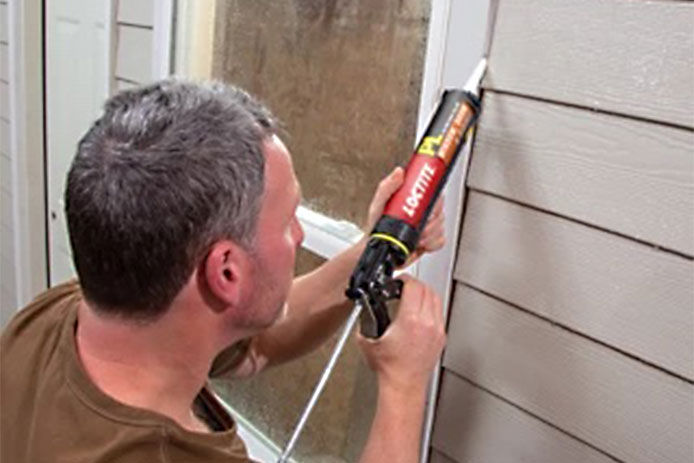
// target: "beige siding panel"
[[139, 12], [438, 457], [626, 294], [626, 408], [134, 57], [4, 63], [633, 57], [633, 177], [4, 25], [475, 426]]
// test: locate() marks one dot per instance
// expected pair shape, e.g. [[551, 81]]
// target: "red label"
[[422, 177]]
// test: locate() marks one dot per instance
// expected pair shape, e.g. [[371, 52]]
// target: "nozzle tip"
[[473, 83]]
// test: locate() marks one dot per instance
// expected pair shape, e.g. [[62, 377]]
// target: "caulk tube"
[[408, 209]]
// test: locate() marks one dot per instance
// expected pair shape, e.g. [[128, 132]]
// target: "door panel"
[[77, 63]]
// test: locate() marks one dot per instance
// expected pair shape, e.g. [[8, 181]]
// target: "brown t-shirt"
[[50, 411]]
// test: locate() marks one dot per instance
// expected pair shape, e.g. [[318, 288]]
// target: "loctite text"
[[420, 186]]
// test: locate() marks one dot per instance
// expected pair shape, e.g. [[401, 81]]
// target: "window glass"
[[343, 76]]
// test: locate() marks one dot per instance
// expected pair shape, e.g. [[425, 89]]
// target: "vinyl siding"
[[571, 330], [134, 43]]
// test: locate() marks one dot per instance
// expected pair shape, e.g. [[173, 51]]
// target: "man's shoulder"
[[41, 320]]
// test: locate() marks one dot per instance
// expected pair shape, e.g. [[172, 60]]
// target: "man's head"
[[165, 173], [258, 281]]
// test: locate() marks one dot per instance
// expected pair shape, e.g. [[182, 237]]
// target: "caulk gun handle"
[[374, 317]]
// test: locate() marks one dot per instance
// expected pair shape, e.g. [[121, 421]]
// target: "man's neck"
[[160, 366]]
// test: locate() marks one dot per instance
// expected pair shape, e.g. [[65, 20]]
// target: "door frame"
[[26, 107]]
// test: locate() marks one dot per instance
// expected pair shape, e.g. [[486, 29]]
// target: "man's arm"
[[317, 303]]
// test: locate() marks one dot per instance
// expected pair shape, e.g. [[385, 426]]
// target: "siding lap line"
[[580, 222], [575, 332], [588, 108], [528, 412]]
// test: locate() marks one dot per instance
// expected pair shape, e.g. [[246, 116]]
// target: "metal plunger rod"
[[353, 317]]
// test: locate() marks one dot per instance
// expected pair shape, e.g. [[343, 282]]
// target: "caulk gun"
[[395, 235]]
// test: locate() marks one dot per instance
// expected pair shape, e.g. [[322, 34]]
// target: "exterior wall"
[[134, 43], [571, 333]]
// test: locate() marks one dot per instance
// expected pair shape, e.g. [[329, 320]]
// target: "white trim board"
[[461, 49], [162, 40]]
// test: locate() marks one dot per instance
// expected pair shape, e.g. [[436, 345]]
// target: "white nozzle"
[[473, 83]]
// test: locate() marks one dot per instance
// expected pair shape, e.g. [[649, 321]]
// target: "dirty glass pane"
[[343, 76]]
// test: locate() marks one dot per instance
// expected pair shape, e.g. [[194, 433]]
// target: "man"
[[181, 207]]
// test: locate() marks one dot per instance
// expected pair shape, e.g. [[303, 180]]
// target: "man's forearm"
[[395, 434], [317, 308]]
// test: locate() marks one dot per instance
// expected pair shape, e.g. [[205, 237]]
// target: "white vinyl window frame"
[[455, 44]]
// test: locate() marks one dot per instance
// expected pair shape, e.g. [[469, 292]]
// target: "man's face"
[[278, 235]]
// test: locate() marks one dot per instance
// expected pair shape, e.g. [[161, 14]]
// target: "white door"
[[77, 72]]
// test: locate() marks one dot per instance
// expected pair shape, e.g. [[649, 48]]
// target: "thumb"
[[384, 191]]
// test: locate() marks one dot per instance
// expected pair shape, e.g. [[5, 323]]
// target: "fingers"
[[390, 185], [430, 245], [413, 292], [433, 235], [438, 207], [433, 230], [384, 191]]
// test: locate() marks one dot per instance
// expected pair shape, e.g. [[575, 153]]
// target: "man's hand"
[[405, 356], [432, 237]]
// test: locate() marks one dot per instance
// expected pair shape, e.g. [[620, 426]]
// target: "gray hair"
[[166, 171]]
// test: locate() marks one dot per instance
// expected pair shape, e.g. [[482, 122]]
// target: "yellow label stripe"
[[398, 243]]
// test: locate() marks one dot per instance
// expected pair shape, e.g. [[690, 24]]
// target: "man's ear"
[[227, 272]]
